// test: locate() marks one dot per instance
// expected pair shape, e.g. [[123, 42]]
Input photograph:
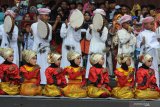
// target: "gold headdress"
[[71, 55], [53, 57], [28, 54], [95, 58]]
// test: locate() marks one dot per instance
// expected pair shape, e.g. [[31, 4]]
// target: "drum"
[[8, 24], [76, 19], [97, 22], [43, 29]]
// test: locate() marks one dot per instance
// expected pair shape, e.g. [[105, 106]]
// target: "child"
[[75, 75], [125, 78], [98, 77], [9, 73], [146, 80], [30, 74], [54, 76]]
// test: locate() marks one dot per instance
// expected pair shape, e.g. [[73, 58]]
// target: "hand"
[[58, 19], [99, 30], [11, 68], [143, 41], [76, 29], [151, 72], [104, 70], [59, 70]]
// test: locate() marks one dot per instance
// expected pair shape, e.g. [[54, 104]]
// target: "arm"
[[104, 34], [88, 33], [141, 79], [63, 31]]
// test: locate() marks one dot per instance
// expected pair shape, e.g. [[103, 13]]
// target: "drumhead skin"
[[97, 22], [8, 24], [76, 19], [43, 29]]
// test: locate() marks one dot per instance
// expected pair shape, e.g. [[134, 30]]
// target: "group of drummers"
[[52, 74]]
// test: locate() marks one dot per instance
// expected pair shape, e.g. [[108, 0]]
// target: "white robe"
[[151, 45], [38, 44], [10, 43], [126, 44], [158, 36], [97, 45], [70, 38]]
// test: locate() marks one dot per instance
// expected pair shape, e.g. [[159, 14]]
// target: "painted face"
[[77, 61], [128, 62], [58, 62], [10, 58], [148, 63], [101, 61], [33, 60]]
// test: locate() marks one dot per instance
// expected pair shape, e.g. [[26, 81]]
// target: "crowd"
[[78, 62]]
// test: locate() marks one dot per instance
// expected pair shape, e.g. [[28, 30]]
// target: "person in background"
[[55, 76], [9, 40], [147, 88], [79, 6], [9, 73], [84, 42], [98, 79], [30, 74], [42, 45], [126, 38], [97, 39], [147, 41], [124, 77], [56, 43]]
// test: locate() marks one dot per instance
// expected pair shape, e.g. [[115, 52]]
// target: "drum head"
[[8, 24], [76, 19], [43, 29], [97, 22]]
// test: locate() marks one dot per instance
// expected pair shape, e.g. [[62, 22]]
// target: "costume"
[[126, 40], [71, 41], [75, 78], [146, 81], [9, 74], [97, 41], [30, 75], [125, 79], [42, 46], [10, 40], [98, 79], [150, 46], [54, 76]]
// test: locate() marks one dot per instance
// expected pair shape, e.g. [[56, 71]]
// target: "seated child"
[[125, 78], [98, 77], [75, 76], [146, 80], [30, 74], [9, 73], [54, 76]]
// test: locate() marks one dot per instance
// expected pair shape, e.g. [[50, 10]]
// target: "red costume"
[[98, 80], [55, 77], [146, 84], [146, 79], [31, 80], [123, 79], [9, 74]]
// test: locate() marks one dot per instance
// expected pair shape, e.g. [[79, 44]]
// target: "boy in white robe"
[[41, 45]]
